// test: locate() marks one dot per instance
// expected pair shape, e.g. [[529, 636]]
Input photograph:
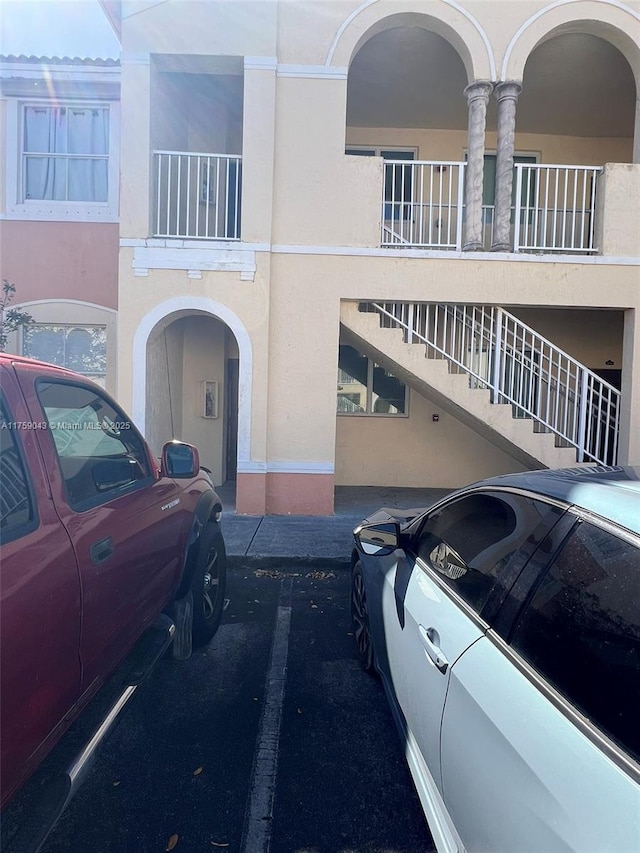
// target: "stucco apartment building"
[[390, 242]]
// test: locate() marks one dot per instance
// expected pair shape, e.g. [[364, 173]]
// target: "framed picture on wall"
[[209, 398]]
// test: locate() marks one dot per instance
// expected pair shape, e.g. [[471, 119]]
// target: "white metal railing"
[[423, 204], [197, 196], [555, 208], [520, 367]]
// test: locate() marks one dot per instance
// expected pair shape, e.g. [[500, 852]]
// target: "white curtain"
[[69, 133]]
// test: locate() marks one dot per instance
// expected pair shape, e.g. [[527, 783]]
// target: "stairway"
[[533, 401]]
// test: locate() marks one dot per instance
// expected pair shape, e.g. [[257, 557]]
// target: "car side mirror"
[[378, 539], [179, 460], [448, 562]]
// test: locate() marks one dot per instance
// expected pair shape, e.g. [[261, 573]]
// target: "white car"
[[505, 624]]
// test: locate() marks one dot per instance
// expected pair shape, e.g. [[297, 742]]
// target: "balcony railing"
[[520, 367], [554, 208], [197, 196], [422, 204]]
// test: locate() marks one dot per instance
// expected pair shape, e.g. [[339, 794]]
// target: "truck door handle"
[[101, 550], [430, 640]]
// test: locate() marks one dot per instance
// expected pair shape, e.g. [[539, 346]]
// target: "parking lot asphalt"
[[278, 540], [338, 778], [270, 739]]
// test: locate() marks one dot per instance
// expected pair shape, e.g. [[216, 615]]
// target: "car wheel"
[[208, 584], [360, 620]]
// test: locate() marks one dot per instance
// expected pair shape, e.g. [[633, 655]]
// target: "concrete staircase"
[[453, 392]]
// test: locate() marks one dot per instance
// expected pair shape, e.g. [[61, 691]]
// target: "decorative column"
[[477, 99], [507, 97]]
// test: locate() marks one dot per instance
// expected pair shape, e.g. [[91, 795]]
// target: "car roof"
[[7, 359], [612, 492]]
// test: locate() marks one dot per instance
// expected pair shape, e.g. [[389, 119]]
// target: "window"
[[82, 349], [475, 543], [65, 153], [489, 182], [16, 507], [101, 454], [581, 631], [366, 388], [66, 160]]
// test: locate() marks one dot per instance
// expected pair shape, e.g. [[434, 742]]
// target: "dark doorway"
[[613, 377], [231, 415]]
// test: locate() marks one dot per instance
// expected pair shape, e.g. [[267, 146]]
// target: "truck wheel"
[[208, 584]]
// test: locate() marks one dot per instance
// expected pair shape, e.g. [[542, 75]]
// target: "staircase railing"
[[519, 366]]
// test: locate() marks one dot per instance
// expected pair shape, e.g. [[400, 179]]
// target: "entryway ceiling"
[[574, 85]]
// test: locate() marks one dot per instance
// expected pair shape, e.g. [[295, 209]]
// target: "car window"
[[581, 631], [473, 543], [100, 452], [16, 504]]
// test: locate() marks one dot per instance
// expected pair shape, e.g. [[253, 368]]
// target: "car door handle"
[[430, 639], [101, 550]]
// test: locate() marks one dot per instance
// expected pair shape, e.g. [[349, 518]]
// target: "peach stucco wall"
[[62, 260]]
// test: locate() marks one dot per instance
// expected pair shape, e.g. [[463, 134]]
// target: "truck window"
[[101, 453]]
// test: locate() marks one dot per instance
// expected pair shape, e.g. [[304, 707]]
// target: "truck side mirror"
[[179, 460]]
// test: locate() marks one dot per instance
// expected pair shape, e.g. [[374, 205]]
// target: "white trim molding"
[[194, 260], [286, 467], [313, 72], [251, 467], [300, 467], [441, 254], [59, 72], [202, 305]]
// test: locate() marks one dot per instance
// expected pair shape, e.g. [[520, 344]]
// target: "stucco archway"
[[610, 21], [448, 20], [184, 307]]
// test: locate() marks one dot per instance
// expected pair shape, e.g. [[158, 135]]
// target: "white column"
[[629, 448], [135, 142], [258, 147], [507, 96], [477, 99]]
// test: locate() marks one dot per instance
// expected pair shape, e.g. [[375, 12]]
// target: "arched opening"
[[192, 389], [406, 104], [576, 112], [580, 89]]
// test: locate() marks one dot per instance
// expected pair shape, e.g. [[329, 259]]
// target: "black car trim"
[[609, 526], [620, 758], [479, 487], [506, 617]]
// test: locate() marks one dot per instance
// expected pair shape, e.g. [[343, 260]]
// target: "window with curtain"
[[79, 348], [65, 153]]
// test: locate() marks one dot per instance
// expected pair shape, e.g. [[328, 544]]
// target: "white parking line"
[[259, 813]]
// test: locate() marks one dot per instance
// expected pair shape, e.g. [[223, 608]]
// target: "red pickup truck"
[[101, 546]]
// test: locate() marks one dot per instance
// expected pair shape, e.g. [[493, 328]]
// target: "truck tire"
[[208, 584]]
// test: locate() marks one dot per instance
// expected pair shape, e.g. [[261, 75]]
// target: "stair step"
[[434, 374]]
